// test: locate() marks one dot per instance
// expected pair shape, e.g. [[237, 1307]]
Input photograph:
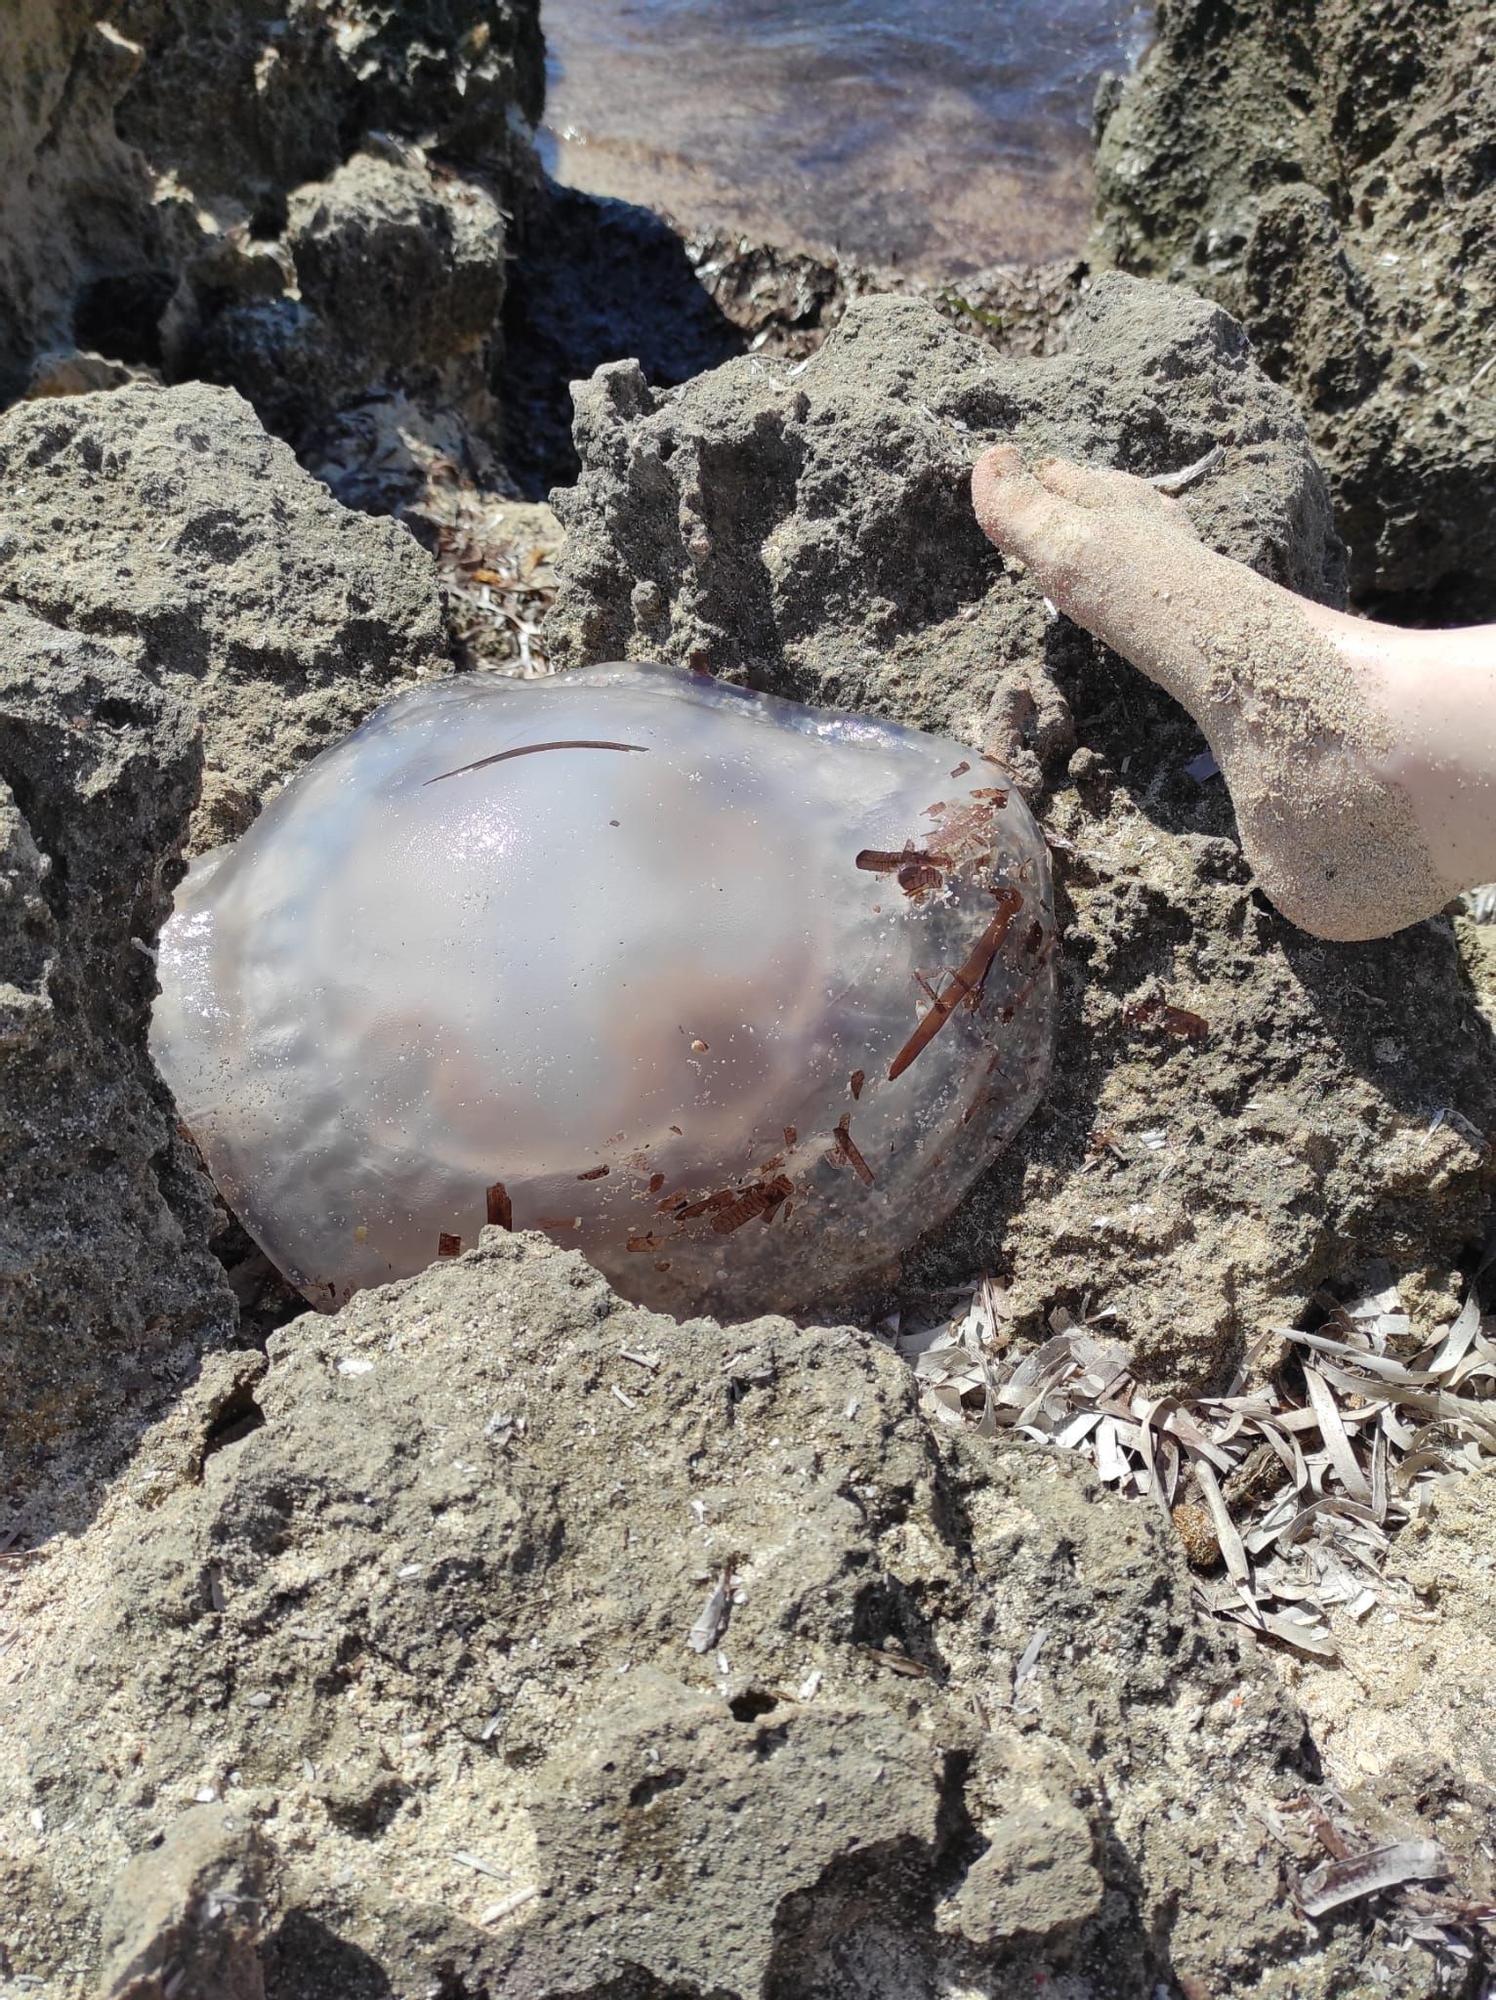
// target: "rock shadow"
[[596, 280], [303, 1959]]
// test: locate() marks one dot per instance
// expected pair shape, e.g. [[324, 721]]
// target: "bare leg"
[[1361, 758]]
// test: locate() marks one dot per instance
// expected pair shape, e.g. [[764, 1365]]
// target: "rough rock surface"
[[398, 279], [1194, 1173], [307, 193], [107, 1288], [186, 1917], [1421, 1694], [599, 280], [167, 523], [495, 1637], [1327, 173]]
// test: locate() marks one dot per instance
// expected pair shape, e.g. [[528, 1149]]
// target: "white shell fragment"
[[735, 996]]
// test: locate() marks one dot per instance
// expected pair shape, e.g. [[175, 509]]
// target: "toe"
[[1000, 489], [1093, 486], [1024, 518]]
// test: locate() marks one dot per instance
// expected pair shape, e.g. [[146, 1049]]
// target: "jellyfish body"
[[735, 996]]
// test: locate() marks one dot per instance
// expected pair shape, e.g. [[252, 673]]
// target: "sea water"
[[942, 135]]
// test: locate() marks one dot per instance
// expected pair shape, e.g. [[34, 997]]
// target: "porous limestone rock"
[[186, 1917], [399, 279], [107, 1288], [1325, 172], [1239, 1112], [312, 190], [537, 1644], [167, 523]]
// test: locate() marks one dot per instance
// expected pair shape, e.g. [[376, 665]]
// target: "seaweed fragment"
[[760, 1199], [884, 861], [1179, 1021], [848, 1152], [529, 750], [965, 985]]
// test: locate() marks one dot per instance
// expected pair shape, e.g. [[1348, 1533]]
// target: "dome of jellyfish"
[[735, 996]]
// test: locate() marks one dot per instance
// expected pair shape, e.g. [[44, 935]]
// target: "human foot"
[[1361, 759]]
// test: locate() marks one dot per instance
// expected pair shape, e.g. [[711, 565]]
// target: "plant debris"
[[1180, 1021], [715, 1613], [1186, 476], [848, 1151], [967, 984], [507, 1905], [1287, 1490], [1029, 1661], [1358, 1875], [496, 561], [1445, 1920]]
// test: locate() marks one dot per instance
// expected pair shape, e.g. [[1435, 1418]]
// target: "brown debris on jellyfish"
[[398, 1010]]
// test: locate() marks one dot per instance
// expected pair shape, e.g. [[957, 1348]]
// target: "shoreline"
[[937, 141]]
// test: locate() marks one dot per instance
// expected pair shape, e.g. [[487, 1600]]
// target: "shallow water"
[[943, 137]]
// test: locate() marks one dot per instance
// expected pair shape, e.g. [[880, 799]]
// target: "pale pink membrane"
[[403, 990]]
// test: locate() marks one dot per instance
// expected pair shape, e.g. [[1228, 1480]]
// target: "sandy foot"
[[1347, 747]]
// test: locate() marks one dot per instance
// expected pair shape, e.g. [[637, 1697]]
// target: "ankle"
[[1439, 690]]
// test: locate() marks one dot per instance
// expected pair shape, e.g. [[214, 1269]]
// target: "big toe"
[[1101, 487], [1024, 518]]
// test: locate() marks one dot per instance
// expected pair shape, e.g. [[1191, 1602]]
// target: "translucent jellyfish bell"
[[735, 996]]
